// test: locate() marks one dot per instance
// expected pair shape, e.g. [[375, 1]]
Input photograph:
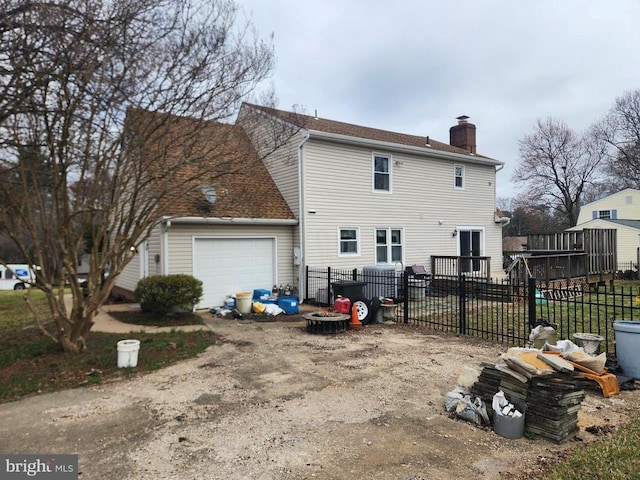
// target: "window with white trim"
[[349, 242], [458, 176], [389, 245], [381, 173], [605, 214]]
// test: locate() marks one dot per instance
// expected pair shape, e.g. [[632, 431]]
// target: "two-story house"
[[364, 196], [335, 194], [619, 211]]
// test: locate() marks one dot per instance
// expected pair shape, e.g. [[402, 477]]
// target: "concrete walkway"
[[104, 321]]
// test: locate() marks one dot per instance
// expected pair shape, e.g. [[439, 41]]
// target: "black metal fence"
[[495, 310], [628, 269]]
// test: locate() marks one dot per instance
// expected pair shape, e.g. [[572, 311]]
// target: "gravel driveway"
[[274, 402]]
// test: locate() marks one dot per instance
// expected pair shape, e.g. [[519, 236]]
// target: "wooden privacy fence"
[[599, 244]]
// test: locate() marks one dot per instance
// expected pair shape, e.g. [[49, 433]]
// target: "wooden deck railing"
[[454, 266], [546, 266]]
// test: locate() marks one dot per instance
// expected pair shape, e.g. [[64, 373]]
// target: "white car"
[[16, 277]]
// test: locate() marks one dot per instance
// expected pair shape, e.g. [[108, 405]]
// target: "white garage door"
[[230, 265]]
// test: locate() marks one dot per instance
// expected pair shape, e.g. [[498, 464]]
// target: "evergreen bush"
[[166, 294]]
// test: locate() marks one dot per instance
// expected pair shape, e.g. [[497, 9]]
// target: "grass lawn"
[[613, 458], [31, 363]]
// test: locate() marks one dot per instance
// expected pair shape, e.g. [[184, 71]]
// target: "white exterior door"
[[227, 266]]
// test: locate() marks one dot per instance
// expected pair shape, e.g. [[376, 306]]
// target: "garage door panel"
[[231, 265]]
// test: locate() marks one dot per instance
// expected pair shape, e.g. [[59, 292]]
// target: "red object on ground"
[[342, 305]]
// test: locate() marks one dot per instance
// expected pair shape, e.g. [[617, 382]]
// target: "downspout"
[[503, 221], [301, 218], [165, 248]]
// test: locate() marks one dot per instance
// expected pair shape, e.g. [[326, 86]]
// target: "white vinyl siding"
[[180, 249], [132, 273], [625, 204], [421, 203]]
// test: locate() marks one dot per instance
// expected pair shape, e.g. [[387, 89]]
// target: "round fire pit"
[[320, 322]]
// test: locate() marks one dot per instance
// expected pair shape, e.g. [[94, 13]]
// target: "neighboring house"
[[365, 197], [619, 211], [235, 234]]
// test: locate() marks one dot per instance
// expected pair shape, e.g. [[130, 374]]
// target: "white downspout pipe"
[[165, 248], [301, 218]]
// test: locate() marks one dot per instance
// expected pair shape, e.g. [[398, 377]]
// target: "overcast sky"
[[414, 66]]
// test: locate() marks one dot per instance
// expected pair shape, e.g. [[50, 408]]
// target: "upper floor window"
[[381, 173], [458, 174], [349, 241], [606, 214], [389, 245]]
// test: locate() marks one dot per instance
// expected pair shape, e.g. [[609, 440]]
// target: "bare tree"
[[84, 165], [555, 167], [620, 130]]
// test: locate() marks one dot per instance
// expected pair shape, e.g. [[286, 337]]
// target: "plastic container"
[[417, 289], [510, 427], [261, 294], [289, 305], [229, 302], [243, 302], [341, 305], [128, 353], [627, 340]]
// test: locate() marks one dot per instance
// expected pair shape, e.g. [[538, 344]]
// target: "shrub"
[[165, 294], [628, 275]]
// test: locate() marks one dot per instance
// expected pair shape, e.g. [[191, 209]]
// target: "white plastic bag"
[[468, 377]]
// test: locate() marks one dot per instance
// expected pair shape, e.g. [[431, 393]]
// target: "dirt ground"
[[275, 402]]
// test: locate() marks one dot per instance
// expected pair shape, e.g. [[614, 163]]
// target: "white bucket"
[[128, 353], [243, 302]]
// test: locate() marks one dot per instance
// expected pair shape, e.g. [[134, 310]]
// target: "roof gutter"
[[423, 151], [231, 220], [503, 221]]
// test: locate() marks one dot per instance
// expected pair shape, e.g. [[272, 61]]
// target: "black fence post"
[[531, 298], [328, 285], [405, 300], [463, 304], [306, 283]]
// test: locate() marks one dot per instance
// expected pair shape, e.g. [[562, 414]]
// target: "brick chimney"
[[463, 135]]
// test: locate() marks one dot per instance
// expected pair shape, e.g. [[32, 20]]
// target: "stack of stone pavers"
[[552, 401]]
